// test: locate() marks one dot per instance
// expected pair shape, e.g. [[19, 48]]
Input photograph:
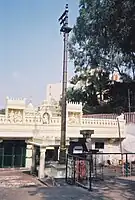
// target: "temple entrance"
[[51, 154], [12, 153]]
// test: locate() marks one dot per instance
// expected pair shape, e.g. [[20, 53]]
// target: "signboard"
[[77, 150]]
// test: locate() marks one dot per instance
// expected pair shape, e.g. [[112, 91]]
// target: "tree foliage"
[[121, 95], [103, 35], [91, 91], [103, 38], [2, 111]]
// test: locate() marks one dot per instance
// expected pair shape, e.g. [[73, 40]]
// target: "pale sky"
[[31, 46]]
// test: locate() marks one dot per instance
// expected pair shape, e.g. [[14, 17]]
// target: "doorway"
[[12, 153]]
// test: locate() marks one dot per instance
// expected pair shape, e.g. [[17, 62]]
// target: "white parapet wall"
[[26, 121], [103, 128]]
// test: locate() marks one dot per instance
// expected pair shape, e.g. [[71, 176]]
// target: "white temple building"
[[26, 131], [24, 128]]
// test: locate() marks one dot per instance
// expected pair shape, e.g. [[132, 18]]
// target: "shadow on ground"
[[104, 190]]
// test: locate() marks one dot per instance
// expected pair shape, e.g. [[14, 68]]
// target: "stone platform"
[[56, 171]]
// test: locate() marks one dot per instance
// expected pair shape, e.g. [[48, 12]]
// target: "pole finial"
[[66, 6]]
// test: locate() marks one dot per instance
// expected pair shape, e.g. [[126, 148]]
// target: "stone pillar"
[[41, 170], [33, 167], [28, 163]]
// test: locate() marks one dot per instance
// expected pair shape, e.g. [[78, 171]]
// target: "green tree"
[[2, 111], [100, 36], [120, 23], [90, 91], [121, 95], [99, 41]]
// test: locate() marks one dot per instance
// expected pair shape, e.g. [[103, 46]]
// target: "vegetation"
[[2, 111], [102, 42]]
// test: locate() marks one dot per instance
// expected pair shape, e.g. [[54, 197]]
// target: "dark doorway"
[[52, 154], [12, 153]]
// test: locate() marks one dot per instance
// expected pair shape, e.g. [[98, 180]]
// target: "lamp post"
[[65, 29]]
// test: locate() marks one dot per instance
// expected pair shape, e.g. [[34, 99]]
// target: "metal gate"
[[12, 154], [89, 169]]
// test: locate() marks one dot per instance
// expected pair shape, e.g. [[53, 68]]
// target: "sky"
[[31, 46]]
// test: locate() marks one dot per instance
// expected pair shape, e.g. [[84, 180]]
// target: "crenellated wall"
[[16, 103], [24, 120]]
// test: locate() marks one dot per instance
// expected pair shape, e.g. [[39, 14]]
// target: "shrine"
[[30, 136]]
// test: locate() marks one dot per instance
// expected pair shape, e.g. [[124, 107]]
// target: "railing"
[[99, 122], [89, 169], [39, 121], [79, 170], [128, 116], [55, 120], [87, 122], [83, 122]]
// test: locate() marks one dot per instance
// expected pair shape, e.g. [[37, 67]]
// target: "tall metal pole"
[[65, 29]]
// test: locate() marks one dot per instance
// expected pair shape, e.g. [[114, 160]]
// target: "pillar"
[[41, 170], [28, 163], [33, 167]]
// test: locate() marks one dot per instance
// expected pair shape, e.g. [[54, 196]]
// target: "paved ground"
[[20, 186], [15, 185], [16, 179]]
